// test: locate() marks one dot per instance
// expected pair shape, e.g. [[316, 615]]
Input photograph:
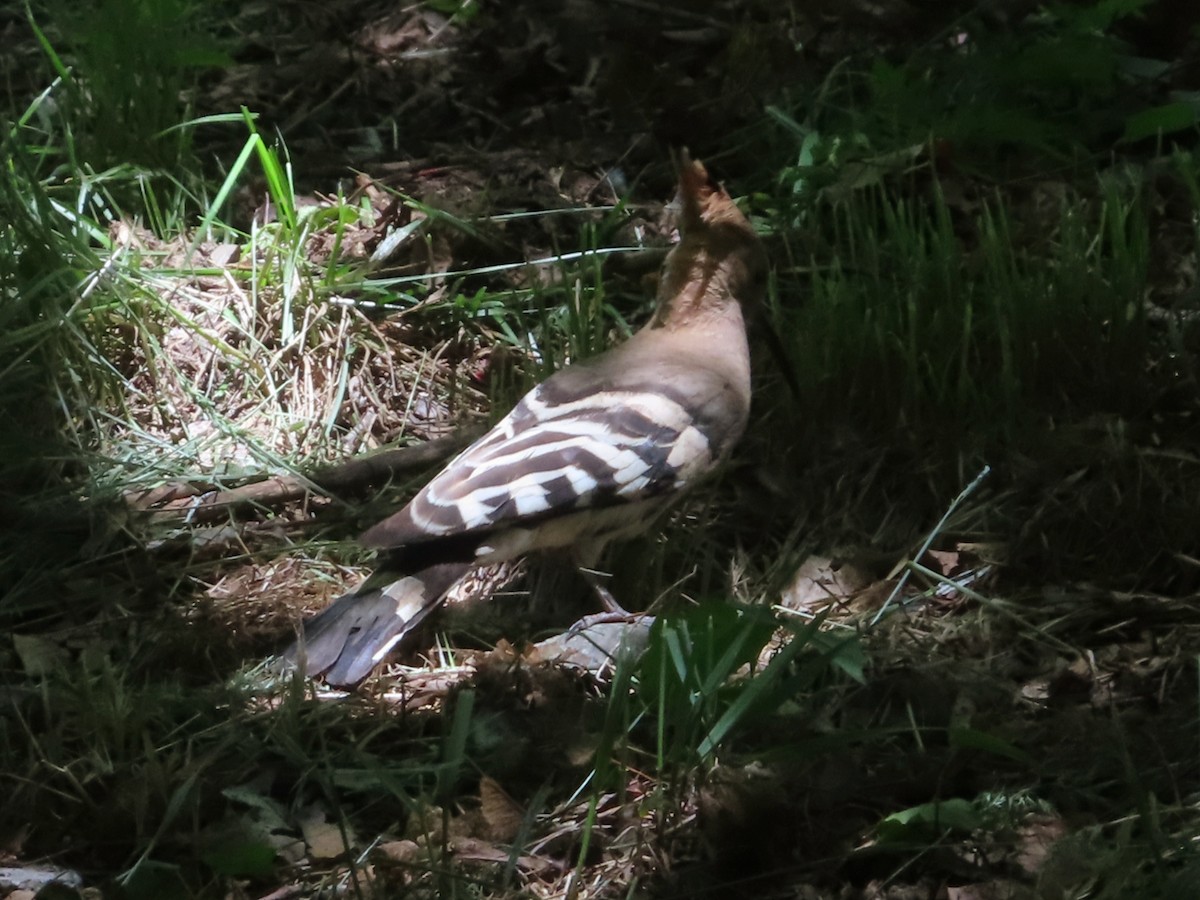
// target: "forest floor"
[[987, 697]]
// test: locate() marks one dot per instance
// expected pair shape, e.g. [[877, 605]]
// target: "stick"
[[194, 506]]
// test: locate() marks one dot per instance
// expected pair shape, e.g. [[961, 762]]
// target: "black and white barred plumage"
[[592, 454]]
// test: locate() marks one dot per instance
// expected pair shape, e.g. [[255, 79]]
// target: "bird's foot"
[[609, 617]]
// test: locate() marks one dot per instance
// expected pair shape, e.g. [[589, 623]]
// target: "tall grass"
[[905, 314], [126, 68]]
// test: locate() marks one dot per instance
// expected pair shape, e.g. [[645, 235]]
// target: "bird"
[[592, 455]]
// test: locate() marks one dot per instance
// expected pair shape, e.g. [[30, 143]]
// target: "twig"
[[361, 470]]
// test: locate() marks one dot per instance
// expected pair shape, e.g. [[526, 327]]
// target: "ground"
[[997, 705]]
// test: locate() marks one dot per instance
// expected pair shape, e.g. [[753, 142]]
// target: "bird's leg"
[[607, 600], [613, 611]]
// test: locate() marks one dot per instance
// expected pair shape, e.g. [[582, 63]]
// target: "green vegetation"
[[984, 243]]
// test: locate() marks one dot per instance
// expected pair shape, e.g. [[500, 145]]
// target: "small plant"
[[701, 680]]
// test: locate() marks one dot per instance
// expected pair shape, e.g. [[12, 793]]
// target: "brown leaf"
[[399, 851], [946, 562], [475, 850], [501, 812], [821, 582], [324, 839], [1036, 840]]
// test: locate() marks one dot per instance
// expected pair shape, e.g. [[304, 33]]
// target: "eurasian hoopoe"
[[591, 455]]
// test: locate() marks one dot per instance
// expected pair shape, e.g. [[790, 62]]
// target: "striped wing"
[[553, 455]]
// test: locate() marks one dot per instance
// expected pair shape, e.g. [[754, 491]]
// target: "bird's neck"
[[698, 306], [698, 281]]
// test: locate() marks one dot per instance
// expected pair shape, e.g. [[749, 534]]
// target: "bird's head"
[[719, 259], [718, 262]]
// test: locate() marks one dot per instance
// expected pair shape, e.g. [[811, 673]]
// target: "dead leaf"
[[501, 812], [225, 254], [583, 751], [946, 562], [399, 851], [1036, 840], [475, 850], [821, 582], [324, 839]]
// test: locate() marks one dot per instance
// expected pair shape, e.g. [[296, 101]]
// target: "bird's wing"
[[555, 453]]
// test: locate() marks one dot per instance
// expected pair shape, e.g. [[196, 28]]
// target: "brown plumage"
[[591, 455]]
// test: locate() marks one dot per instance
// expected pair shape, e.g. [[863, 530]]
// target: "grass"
[[131, 62], [157, 334]]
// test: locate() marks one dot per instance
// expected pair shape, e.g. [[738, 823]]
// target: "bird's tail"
[[351, 636]]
